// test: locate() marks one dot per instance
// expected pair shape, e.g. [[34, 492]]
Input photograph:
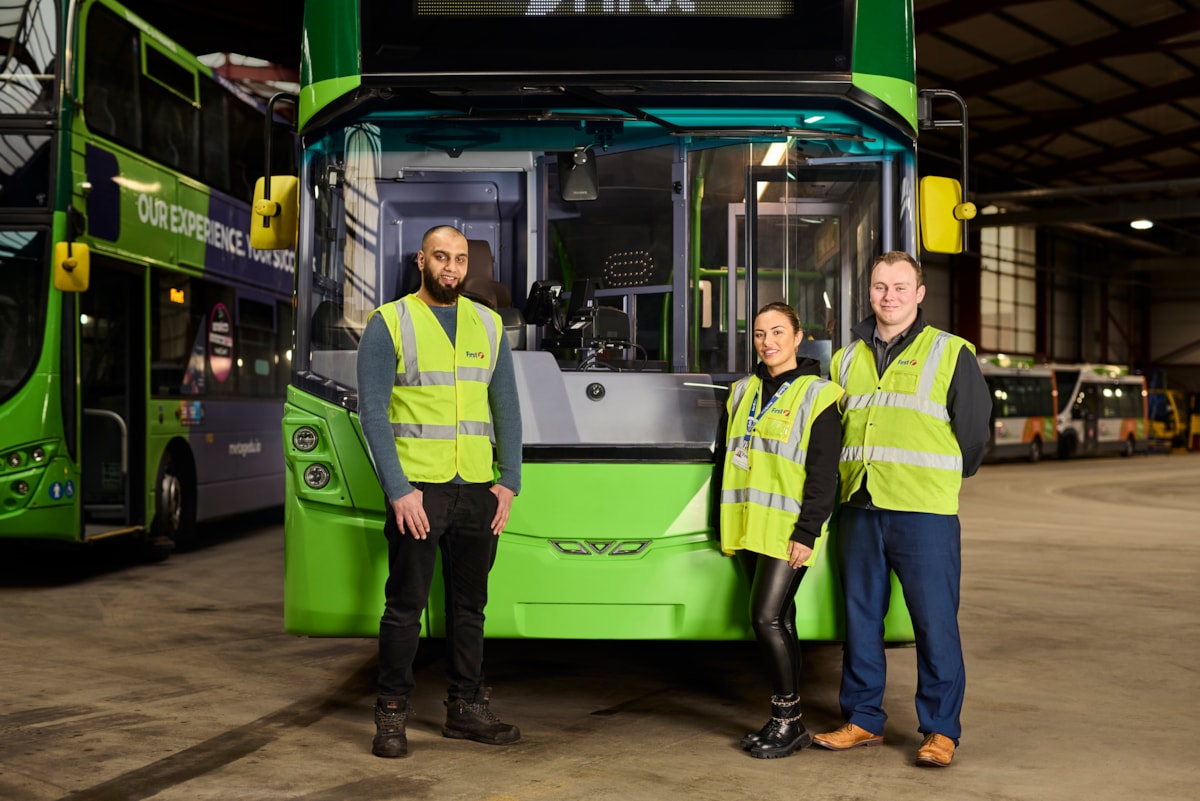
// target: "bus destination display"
[[655, 8]]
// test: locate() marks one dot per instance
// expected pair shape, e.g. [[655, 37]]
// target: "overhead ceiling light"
[[1141, 225]]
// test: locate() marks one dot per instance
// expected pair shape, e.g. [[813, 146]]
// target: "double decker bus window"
[[111, 100]]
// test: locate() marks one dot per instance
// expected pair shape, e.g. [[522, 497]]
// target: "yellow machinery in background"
[[1174, 420]]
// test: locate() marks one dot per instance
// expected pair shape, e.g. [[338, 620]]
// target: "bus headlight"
[[21, 487], [39, 454], [14, 460], [304, 439], [316, 476]]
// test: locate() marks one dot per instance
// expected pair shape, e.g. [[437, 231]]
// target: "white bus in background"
[[1024, 408], [1101, 409]]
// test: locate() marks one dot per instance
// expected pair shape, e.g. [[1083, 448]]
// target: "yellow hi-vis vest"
[[439, 409], [896, 430], [760, 506]]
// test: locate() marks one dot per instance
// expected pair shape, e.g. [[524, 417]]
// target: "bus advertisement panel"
[[628, 205], [140, 393]]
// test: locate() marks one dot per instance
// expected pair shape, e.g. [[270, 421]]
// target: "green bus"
[[634, 178], [144, 344]]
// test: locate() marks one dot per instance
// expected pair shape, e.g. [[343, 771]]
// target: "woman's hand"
[[798, 554]]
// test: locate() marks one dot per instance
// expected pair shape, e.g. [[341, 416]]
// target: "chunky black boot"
[[749, 740], [784, 733], [473, 720], [754, 737], [391, 717]]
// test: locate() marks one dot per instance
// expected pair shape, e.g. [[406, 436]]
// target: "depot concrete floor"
[[174, 681]]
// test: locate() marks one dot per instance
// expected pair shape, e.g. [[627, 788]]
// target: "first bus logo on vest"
[[473, 354], [906, 362]]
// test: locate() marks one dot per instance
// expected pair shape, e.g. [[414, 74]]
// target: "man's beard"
[[440, 293]]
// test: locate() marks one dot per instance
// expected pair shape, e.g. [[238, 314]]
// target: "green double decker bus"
[[144, 345], [634, 178]]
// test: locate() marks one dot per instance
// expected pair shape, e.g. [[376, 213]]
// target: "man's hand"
[[410, 515], [504, 498]]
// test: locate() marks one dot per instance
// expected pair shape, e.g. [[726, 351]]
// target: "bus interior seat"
[[481, 285]]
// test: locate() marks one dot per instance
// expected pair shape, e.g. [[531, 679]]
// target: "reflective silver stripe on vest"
[[418, 430], [493, 335], [782, 503], [412, 375], [480, 374], [898, 400], [930, 370], [475, 428], [878, 453], [847, 357], [429, 378], [739, 389], [791, 449]]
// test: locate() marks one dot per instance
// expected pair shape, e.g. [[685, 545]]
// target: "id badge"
[[741, 458]]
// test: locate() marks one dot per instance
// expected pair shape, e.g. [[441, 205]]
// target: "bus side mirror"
[[275, 217], [577, 175], [942, 213], [72, 266]]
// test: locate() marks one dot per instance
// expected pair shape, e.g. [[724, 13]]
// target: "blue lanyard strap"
[[753, 419]]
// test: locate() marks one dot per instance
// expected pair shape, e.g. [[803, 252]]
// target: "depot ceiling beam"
[[1058, 122], [1111, 212], [1089, 190], [1103, 157], [946, 14], [1147, 38]]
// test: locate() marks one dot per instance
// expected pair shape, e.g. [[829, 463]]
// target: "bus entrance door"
[[112, 392]]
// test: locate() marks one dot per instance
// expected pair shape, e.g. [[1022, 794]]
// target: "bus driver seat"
[[481, 285]]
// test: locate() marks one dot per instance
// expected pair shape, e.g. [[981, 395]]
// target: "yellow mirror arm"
[[965, 211]]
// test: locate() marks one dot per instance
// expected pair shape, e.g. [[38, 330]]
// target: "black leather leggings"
[[773, 613]]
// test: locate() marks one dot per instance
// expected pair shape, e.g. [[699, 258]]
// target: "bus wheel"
[[1127, 450], [1035, 450], [1066, 447], [175, 504]]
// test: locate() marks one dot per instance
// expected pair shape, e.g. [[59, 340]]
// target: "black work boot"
[[749, 740], [784, 733], [473, 720], [390, 719]]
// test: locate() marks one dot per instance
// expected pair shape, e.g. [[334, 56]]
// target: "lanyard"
[[753, 419]]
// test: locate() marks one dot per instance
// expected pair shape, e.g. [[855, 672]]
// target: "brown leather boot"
[[936, 751], [847, 737]]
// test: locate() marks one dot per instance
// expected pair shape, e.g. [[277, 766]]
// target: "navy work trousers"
[[925, 551], [460, 517]]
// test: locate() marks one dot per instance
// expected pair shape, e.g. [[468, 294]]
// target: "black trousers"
[[773, 614], [460, 517]]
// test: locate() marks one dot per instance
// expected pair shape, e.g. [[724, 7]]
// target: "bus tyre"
[[1035, 450], [175, 505], [1066, 447]]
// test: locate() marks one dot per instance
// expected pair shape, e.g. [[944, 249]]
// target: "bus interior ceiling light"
[[1141, 225]]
